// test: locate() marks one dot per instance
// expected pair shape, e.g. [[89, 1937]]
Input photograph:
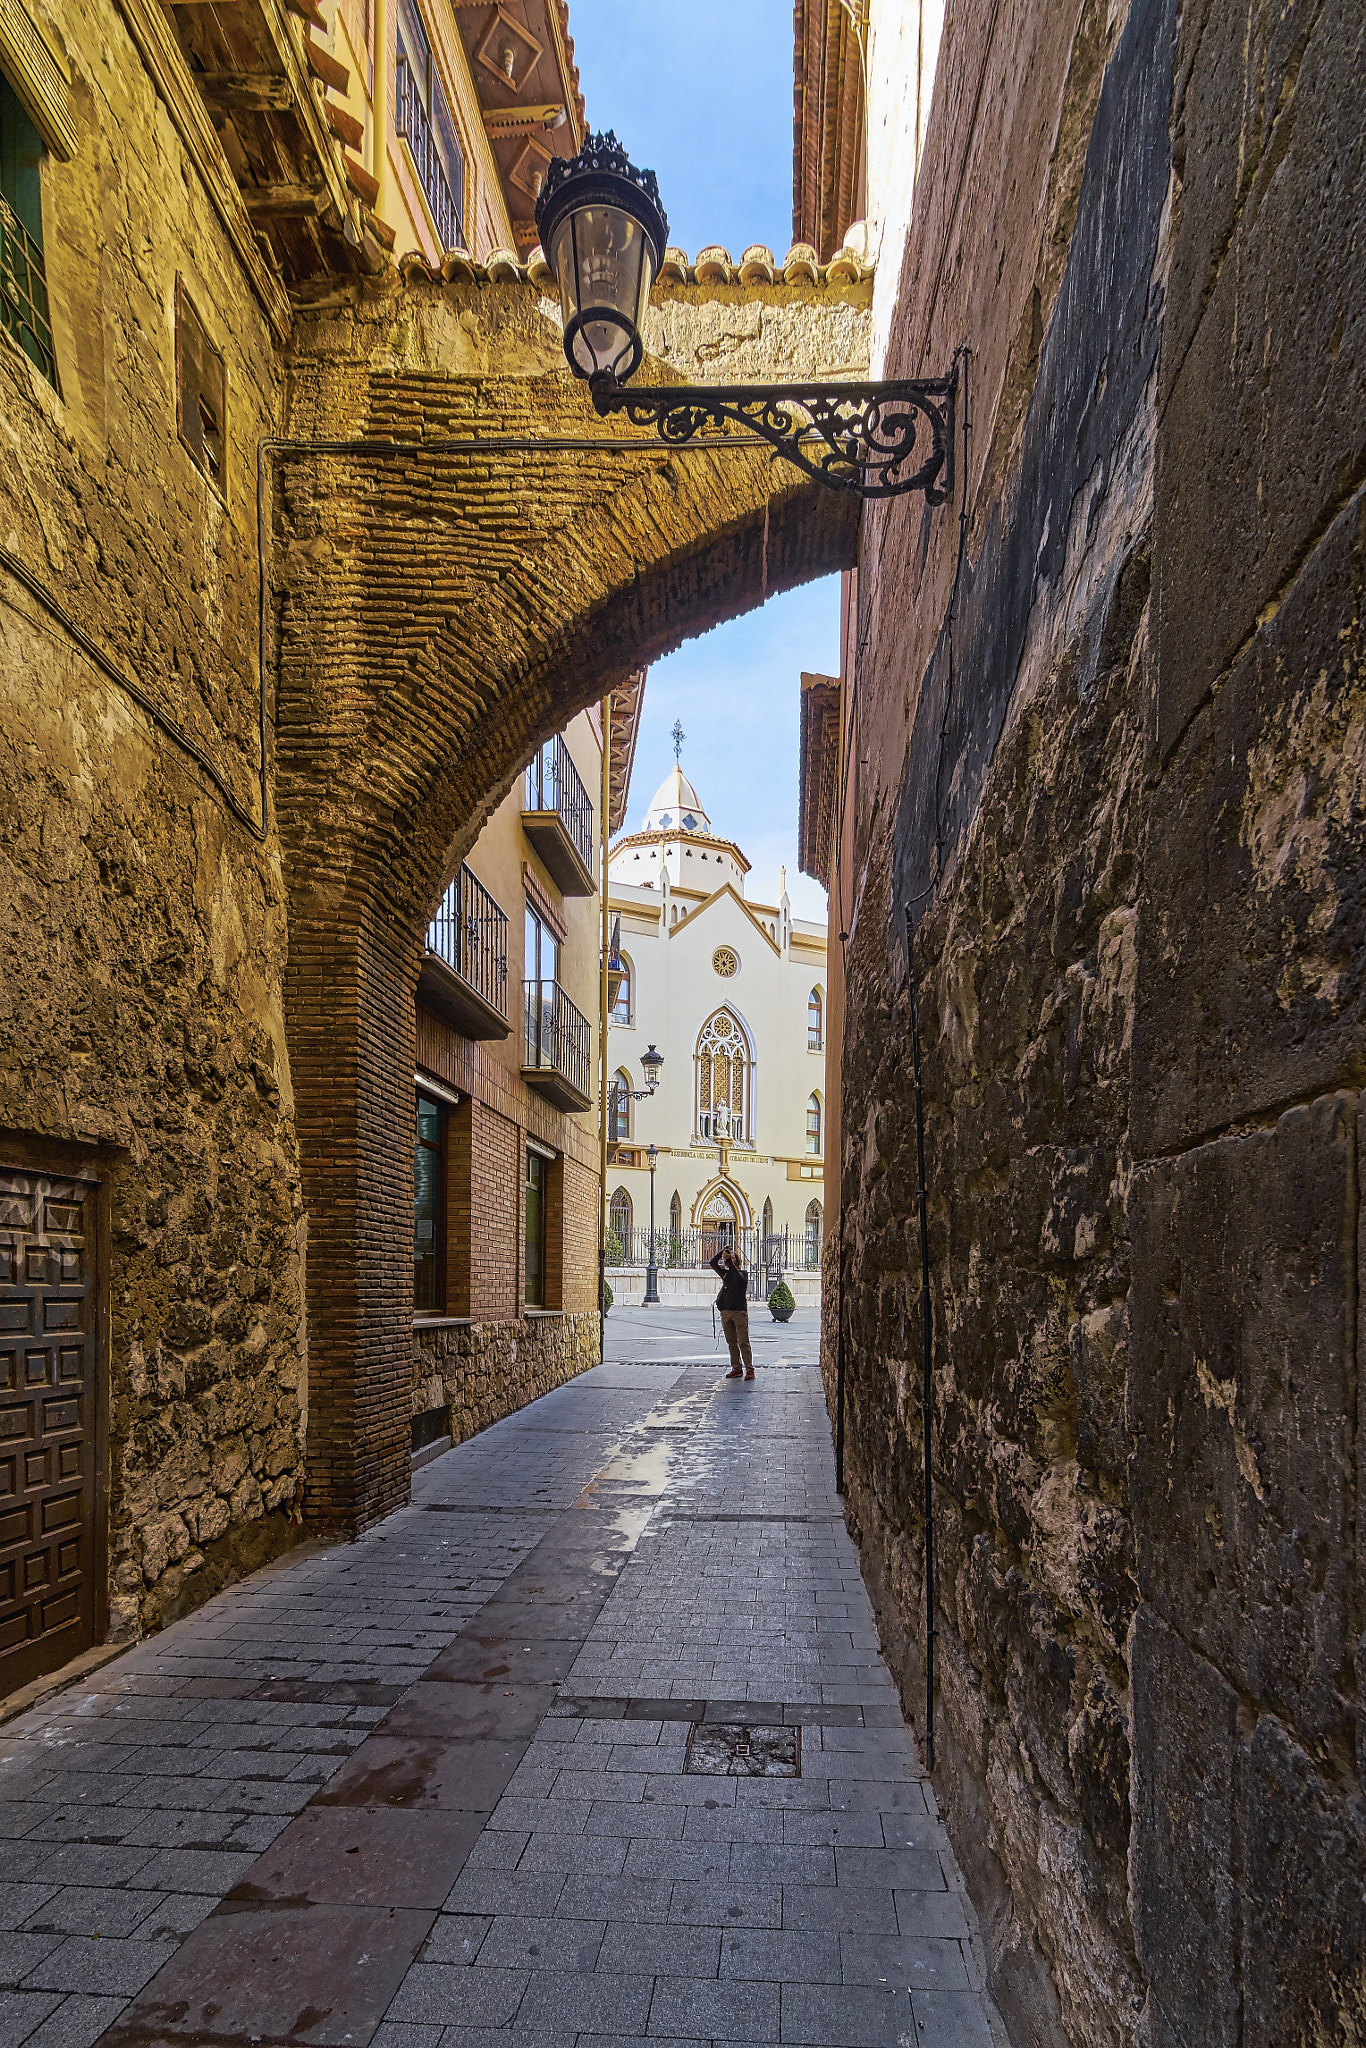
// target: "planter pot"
[[781, 1315]]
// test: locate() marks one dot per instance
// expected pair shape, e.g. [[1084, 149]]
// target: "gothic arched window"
[[725, 1079], [815, 1021], [619, 1108], [813, 1126], [676, 1215], [768, 1219], [619, 1218], [815, 1218], [621, 1008]]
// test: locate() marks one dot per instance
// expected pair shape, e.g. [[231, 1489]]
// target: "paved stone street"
[[484, 1774]]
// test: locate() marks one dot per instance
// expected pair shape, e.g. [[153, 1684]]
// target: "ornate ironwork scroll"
[[870, 432]]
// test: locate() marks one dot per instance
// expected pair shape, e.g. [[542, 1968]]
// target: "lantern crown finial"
[[601, 156]]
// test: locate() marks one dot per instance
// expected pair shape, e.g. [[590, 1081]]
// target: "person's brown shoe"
[[750, 1374], [736, 1374]]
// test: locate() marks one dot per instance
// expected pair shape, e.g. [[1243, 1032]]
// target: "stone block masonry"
[[1113, 756], [479, 1372], [142, 923]]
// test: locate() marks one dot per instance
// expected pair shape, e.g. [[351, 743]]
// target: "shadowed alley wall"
[[1124, 778]]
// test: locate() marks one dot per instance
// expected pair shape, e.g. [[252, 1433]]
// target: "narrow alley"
[[592, 1741]]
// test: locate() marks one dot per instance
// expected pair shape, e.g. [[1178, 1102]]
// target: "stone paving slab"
[[428, 1790]]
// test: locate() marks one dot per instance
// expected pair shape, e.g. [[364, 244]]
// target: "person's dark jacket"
[[734, 1285]]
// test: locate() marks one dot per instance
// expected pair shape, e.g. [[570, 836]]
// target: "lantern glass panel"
[[601, 257]]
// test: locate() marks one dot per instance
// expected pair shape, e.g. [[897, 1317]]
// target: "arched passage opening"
[[436, 617]]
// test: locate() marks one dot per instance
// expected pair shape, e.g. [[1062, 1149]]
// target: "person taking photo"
[[733, 1302]]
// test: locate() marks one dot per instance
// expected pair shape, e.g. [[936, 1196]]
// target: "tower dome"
[[675, 807]]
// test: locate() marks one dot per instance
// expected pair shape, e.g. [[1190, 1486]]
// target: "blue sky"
[[702, 96], [736, 692]]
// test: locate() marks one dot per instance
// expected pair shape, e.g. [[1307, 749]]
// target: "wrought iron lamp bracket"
[[869, 432]]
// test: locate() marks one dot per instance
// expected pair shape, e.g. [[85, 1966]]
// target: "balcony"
[[557, 1053], [558, 819], [414, 125], [464, 973]]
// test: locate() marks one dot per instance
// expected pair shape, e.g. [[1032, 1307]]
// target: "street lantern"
[[650, 1063], [603, 232]]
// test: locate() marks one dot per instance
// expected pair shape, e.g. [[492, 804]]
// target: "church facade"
[[733, 994]]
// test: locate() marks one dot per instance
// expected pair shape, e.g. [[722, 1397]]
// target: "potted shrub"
[[782, 1302], [607, 1296]]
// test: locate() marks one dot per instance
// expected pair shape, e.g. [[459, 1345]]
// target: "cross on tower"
[[678, 736]]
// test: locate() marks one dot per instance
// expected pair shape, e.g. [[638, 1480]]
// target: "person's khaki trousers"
[[735, 1323]]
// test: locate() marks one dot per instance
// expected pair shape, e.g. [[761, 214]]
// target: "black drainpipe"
[[927, 1344]]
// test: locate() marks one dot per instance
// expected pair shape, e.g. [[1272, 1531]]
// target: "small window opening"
[[201, 392]]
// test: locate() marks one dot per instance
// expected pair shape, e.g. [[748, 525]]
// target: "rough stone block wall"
[[1114, 757], [484, 1371], [142, 925]]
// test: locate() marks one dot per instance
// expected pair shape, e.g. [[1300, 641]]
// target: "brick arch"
[[437, 617]]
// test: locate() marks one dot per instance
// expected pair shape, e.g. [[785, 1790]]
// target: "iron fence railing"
[[766, 1255], [557, 1034], [553, 783], [470, 933], [23, 294], [414, 125]]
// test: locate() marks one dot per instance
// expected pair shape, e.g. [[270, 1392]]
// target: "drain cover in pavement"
[[729, 1749]]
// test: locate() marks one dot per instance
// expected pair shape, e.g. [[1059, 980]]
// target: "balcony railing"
[[558, 1045], [558, 819], [23, 294], [766, 1255], [470, 933], [414, 125]]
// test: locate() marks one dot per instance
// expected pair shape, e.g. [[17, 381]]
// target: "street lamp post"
[[604, 233], [651, 1271]]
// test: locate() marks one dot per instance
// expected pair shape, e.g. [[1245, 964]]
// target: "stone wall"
[[1113, 758], [142, 920], [479, 1372]]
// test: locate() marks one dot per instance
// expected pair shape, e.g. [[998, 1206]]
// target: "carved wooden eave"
[[247, 87], [521, 58], [819, 776], [627, 701], [42, 85], [175, 87], [828, 135]]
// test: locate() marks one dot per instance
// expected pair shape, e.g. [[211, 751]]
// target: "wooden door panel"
[[48, 1390]]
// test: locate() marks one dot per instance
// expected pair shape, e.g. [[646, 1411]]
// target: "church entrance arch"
[[432, 618]]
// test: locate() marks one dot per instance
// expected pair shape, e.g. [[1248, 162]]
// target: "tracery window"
[[815, 1021], [725, 1079], [813, 1126]]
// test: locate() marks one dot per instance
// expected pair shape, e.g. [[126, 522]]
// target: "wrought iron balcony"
[[557, 1055], [464, 975], [558, 819], [414, 125]]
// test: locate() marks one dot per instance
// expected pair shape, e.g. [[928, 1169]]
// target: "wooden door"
[[48, 1423]]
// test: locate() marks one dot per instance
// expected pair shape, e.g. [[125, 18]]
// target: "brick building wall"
[[486, 1356]]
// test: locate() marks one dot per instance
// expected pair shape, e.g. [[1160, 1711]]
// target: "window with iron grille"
[[201, 393], [422, 119], [429, 1207], [24, 313]]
